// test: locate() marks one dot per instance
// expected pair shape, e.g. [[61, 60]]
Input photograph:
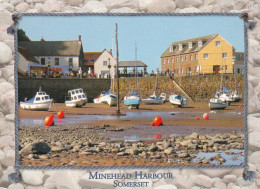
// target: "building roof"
[[88, 56], [137, 63], [52, 48], [185, 49], [27, 55]]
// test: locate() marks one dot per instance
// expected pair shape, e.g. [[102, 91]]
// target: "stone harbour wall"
[[76, 179]]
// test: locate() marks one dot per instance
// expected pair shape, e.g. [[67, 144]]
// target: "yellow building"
[[203, 55]]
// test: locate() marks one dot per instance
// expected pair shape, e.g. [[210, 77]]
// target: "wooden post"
[[117, 75]]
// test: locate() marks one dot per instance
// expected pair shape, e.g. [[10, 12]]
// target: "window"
[[182, 58], [238, 70], [80, 91], [163, 61], [172, 60], [180, 47], [42, 61], [190, 44], [37, 99], [47, 97], [199, 43], [79, 96], [71, 62], [92, 60], [224, 55], [217, 43], [57, 61], [73, 92], [191, 57], [206, 55], [77, 91], [168, 61], [186, 58], [225, 67], [171, 49], [42, 98], [104, 63], [196, 56], [238, 57]]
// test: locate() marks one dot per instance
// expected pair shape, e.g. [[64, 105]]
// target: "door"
[[216, 69]]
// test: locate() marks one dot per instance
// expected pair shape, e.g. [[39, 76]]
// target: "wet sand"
[[74, 139]]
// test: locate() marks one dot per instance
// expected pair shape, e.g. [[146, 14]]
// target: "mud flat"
[[93, 136]]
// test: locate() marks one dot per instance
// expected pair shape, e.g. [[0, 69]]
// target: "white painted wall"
[[99, 67], [23, 64], [238, 66], [63, 61]]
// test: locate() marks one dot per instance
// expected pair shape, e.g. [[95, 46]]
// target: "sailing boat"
[[153, 99], [133, 100], [177, 99]]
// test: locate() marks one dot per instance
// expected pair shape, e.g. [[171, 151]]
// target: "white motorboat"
[[41, 101], [224, 97], [235, 96], [110, 99], [163, 97], [178, 100], [153, 99], [76, 98], [216, 103]]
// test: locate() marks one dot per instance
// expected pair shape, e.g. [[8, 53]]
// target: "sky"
[[152, 34]]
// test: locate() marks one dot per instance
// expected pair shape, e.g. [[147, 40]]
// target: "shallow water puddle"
[[231, 159]]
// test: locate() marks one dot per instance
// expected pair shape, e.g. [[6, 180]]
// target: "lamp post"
[[109, 66]]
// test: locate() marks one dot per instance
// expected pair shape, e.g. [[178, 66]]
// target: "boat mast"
[[117, 74], [136, 74], [156, 77]]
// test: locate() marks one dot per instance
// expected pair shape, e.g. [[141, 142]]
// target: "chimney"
[[110, 51], [42, 39], [79, 37]]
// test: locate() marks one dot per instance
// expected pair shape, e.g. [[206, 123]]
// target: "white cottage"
[[104, 64], [56, 53], [25, 58]]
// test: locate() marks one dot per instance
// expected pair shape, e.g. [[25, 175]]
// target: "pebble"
[[21, 7], [74, 2], [229, 178], [111, 4], [203, 180], [255, 157], [52, 6], [94, 7], [8, 6], [123, 10], [188, 3], [162, 6], [254, 140], [5, 53], [16, 186], [32, 177]]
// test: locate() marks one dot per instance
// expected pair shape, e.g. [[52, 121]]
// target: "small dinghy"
[[163, 97], [178, 100], [106, 97], [132, 101], [216, 103], [41, 101], [153, 99], [76, 98]]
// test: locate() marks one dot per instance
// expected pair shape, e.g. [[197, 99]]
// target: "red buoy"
[[197, 118], [49, 121], [158, 121], [152, 124], [60, 114], [206, 116], [157, 136]]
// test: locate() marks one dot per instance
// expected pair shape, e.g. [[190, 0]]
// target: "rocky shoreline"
[[83, 145]]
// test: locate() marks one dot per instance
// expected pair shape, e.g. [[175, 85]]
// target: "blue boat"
[[132, 101]]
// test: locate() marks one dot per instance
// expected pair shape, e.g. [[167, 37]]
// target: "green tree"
[[22, 36]]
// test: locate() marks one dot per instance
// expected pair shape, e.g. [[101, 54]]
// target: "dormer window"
[[190, 45], [200, 43], [180, 47], [171, 48]]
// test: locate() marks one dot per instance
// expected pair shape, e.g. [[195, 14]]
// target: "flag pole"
[[117, 75]]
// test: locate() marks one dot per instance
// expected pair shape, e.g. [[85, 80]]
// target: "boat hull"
[[178, 102], [78, 103], [43, 106], [132, 102], [218, 106], [152, 101]]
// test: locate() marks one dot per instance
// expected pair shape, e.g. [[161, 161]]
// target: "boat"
[[235, 96], [153, 99], [216, 103], [41, 101], [106, 97], [178, 100], [76, 98], [132, 100], [163, 97]]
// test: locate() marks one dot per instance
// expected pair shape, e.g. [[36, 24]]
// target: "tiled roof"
[[52, 48], [185, 45], [132, 64], [91, 55], [27, 55]]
